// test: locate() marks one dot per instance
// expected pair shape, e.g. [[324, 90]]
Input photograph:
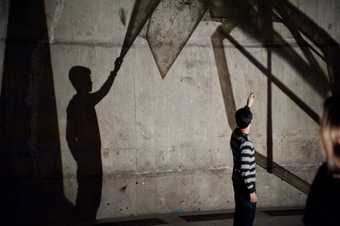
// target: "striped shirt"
[[244, 160]]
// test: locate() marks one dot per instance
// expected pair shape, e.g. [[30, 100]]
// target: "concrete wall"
[[167, 140]]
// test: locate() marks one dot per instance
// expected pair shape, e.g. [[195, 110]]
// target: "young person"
[[244, 173], [322, 207]]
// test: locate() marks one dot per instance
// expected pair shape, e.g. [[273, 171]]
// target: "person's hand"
[[118, 63], [253, 197], [251, 100]]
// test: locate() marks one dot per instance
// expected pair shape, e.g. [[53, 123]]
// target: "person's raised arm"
[[250, 100], [102, 92]]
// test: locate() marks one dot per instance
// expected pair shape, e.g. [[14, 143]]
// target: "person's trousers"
[[244, 210]]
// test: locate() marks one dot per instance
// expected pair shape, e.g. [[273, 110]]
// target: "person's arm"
[[248, 168], [102, 92], [250, 100], [248, 160]]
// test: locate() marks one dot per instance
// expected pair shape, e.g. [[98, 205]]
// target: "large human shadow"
[[83, 138]]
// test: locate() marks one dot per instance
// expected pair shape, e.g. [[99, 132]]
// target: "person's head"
[[330, 132], [243, 118], [80, 79]]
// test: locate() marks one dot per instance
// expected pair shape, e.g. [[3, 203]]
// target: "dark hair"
[[243, 117], [330, 131]]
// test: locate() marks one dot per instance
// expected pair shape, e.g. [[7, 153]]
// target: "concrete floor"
[[264, 217], [263, 221]]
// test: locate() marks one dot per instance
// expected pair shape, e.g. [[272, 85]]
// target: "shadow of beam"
[[266, 20], [315, 78], [310, 72], [284, 174], [230, 108], [224, 76], [305, 47], [310, 112], [317, 35], [248, 20]]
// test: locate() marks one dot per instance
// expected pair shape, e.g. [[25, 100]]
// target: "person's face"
[[336, 153], [248, 128]]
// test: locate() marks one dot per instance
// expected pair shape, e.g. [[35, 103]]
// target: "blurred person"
[[323, 202]]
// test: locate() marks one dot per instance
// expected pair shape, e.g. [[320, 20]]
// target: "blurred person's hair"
[[330, 132]]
